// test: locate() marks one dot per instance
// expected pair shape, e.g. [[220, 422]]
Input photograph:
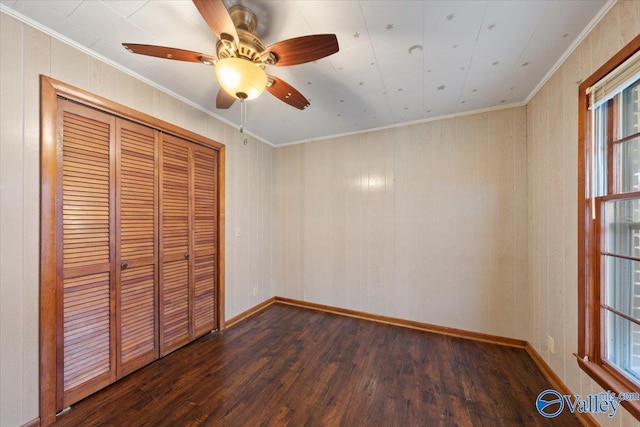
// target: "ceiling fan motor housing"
[[243, 18], [250, 47]]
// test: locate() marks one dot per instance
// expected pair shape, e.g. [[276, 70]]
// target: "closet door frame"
[[50, 91]]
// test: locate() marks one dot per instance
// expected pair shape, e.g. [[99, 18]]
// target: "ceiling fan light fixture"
[[241, 78]]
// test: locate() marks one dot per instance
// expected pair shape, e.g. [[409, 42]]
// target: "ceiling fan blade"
[[287, 93], [169, 53], [303, 49], [224, 100], [217, 17]]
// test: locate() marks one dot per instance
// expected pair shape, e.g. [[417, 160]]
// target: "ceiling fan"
[[242, 58]]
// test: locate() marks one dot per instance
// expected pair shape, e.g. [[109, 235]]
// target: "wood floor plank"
[[294, 366]]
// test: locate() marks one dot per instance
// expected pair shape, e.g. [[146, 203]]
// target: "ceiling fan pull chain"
[[243, 118], [242, 115]]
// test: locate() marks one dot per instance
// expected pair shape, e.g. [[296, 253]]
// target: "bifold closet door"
[[175, 245], [136, 263], [85, 283], [135, 251], [107, 321], [205, 167], [188, 241]]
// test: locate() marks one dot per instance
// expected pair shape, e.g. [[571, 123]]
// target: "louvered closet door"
[[137, 256], [86, 350], [174, 244], [205, 161]]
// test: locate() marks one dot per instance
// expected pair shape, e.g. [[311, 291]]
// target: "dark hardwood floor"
[[295, 366]]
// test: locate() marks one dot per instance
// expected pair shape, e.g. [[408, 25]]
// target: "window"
[[609, 289], [619, 214]]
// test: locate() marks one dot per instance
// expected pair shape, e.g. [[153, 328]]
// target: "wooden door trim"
[[87, 98], [50, 91], [48, 254]]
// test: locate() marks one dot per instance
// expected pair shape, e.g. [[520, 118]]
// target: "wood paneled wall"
[[552, 168], [363, 222], [425, 222], [249, 195]]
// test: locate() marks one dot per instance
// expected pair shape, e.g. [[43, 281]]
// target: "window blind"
[[615, 82]]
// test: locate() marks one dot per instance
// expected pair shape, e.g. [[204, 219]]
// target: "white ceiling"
[[474, 54]]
